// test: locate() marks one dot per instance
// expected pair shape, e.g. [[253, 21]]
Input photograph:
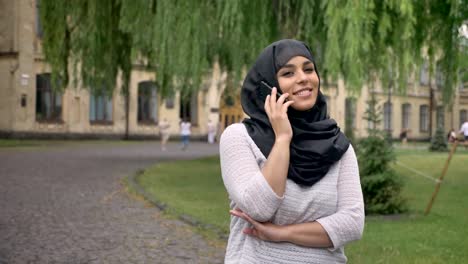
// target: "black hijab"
[[317, 142]]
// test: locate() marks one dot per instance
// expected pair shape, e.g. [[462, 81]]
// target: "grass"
[[31, 143], [15, 143], [440, 237], [195, 188], [190, 188]]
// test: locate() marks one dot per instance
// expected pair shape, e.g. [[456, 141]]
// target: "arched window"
[[100, 107], [48, 100], [463, 117], [440, 117], [147, 103], [350, 112], [424, 118], [189, 108], [424, 75], [388, 116], [405, 115]]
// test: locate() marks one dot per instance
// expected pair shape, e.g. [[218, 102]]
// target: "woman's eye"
[[287, 73], [309, 70]]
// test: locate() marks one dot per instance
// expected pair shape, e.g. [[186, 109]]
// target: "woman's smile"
[[305, 92]]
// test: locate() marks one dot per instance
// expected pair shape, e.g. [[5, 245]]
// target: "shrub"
[[382, 193], [380, 185], [438, 142], [374, 155]]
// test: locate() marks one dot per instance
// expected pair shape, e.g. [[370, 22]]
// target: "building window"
[[189, 108], [38, 19], [439, 77], [424, 118], [100, 109], [440, 117], [48, 101], [424, 75], [169, 102], [463, 117], [405, 116], [147, 102], [226, 121], [350, 112], [388, 116]]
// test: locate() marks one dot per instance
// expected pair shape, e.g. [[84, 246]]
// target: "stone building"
[[29, 107]]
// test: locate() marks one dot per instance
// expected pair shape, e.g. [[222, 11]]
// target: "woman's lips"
[[303, 93]]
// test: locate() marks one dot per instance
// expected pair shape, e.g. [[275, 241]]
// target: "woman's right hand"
[[278, 116]]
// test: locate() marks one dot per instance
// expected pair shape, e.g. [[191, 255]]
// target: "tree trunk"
[[127, 113], [431, 107]]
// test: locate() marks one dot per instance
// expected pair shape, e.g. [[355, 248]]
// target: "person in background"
[[211, 131], [185, 132], [452, 136], [292, 176], [164, 133], [404, 136], [464, 132]]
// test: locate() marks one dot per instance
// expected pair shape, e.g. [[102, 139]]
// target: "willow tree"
[[357, 40]]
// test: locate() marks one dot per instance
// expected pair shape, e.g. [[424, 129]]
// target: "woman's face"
[[299, 79]]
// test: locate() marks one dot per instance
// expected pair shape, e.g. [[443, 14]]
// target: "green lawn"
[[33, 143], [195, 188], [14, 143], [441, 237]]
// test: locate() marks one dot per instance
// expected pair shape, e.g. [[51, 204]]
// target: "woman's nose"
[[301, 76]]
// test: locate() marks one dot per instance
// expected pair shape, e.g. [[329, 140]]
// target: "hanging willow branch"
[[357, 40]]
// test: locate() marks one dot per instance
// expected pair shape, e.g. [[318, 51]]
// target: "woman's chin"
[[303, 106]]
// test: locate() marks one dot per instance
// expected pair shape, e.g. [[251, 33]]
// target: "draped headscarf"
[[317, 142]]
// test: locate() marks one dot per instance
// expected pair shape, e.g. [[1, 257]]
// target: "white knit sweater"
[[335, 202]]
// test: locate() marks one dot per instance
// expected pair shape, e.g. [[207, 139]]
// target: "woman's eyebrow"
[[292, 65], [288, 66]]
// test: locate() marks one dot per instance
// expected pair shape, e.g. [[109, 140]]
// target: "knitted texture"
[[335, 202]]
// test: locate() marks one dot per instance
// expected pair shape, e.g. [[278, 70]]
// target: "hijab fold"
[[317, 141]]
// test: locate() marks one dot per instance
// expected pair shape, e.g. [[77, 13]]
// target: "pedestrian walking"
[[185, 132], [464, 132], [211, 131], [164, 127]]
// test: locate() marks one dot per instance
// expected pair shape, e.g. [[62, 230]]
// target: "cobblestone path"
[[67, 204]]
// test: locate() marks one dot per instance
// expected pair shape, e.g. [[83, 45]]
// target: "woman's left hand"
[[266, 231]]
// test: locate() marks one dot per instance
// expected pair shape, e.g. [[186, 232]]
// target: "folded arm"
[[248, 188], [332, 231]]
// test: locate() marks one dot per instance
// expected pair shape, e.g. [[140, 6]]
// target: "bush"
[[382, 193], [438, 142], [374, 155], [380, 185]]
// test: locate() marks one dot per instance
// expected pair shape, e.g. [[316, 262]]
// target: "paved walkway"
[[66, 204]]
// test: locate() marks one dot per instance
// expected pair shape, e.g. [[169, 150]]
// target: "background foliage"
[[359, 40], [381, 185], [439, 141]]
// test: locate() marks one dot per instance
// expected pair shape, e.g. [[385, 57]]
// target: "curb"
[[163, 207]]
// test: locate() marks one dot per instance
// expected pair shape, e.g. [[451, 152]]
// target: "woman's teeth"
[[304, 93]]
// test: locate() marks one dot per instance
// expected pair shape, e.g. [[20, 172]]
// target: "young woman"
[[164, 133], [291, 175]]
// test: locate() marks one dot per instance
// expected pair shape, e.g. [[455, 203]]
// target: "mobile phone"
[[268, 86], [264, 92]]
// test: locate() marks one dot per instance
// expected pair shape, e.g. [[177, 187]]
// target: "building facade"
[[30, 107]]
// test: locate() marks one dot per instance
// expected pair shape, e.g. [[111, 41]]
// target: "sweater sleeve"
[[242, 176], [347, 224]]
